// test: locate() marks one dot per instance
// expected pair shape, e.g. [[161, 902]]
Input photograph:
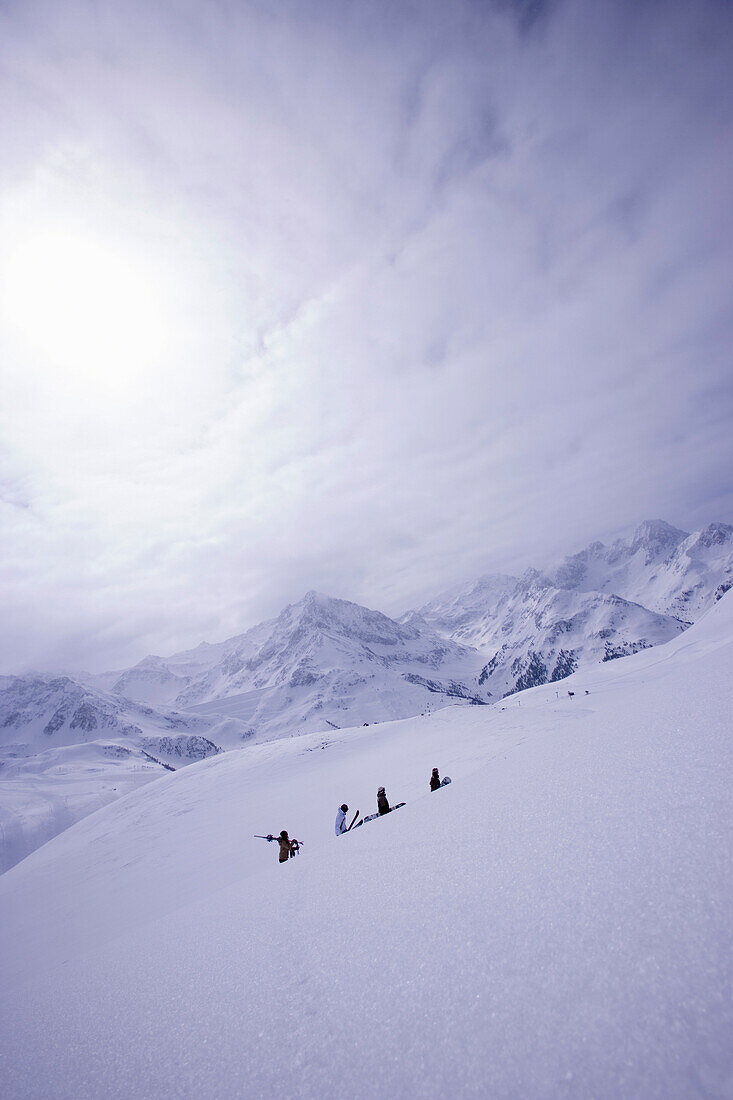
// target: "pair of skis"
[[296, 845]]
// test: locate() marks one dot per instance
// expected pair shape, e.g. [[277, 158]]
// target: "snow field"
[[553, 924]]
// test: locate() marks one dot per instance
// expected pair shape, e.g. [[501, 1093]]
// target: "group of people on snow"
[[290, 848], [383, 806]]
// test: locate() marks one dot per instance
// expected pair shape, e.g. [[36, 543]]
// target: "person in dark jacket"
[[382, 802], [434, 780]]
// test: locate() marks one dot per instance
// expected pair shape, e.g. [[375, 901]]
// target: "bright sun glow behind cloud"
[[85, 306], [368, 298]]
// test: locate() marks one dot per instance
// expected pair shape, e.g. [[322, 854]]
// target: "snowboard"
[[373, 817], [445, 781]]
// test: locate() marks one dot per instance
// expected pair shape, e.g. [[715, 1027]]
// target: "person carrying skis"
[[341, 826], [383, 802], [286, 846], [434, 780]]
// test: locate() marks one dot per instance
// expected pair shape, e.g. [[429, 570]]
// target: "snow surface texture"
[[554, 924], [325, 664]]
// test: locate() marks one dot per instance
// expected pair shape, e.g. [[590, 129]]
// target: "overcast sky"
[[368, 297]]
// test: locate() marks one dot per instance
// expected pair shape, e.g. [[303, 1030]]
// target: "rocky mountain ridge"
[[601, 603], [37, 713]]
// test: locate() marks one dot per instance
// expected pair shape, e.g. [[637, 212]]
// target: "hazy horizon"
[[96, 667]]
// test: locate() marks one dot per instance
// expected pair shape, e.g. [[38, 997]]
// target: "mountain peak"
[[715, 534], [319, 612], [657, 534], [152, 662], [314, 598], [317, 604]]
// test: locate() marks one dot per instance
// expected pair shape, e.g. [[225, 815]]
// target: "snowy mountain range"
[[667, 570], [326, 663], [59, 711], [602, 603], [536, 633], [555, 923], [66, 749], [321, 662]]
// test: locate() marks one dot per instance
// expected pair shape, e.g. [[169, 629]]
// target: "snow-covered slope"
[[321, 664], [41, 794], [149, 681], [464, 610], [553, 924]]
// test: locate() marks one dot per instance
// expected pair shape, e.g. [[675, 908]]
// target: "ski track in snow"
[[553, 924]]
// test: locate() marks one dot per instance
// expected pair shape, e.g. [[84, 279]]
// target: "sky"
[[366, 297]]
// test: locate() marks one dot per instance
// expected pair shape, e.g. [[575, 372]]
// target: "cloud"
[[445, 289]]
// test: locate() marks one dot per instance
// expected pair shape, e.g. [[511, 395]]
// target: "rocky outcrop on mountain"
[[541, 634], [60, 709], [183, 749]]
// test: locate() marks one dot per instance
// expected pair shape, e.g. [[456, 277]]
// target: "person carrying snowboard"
[[434, 780], [383, 802], [341, 826]]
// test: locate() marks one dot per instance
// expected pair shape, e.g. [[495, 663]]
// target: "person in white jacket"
[[341, 826]]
